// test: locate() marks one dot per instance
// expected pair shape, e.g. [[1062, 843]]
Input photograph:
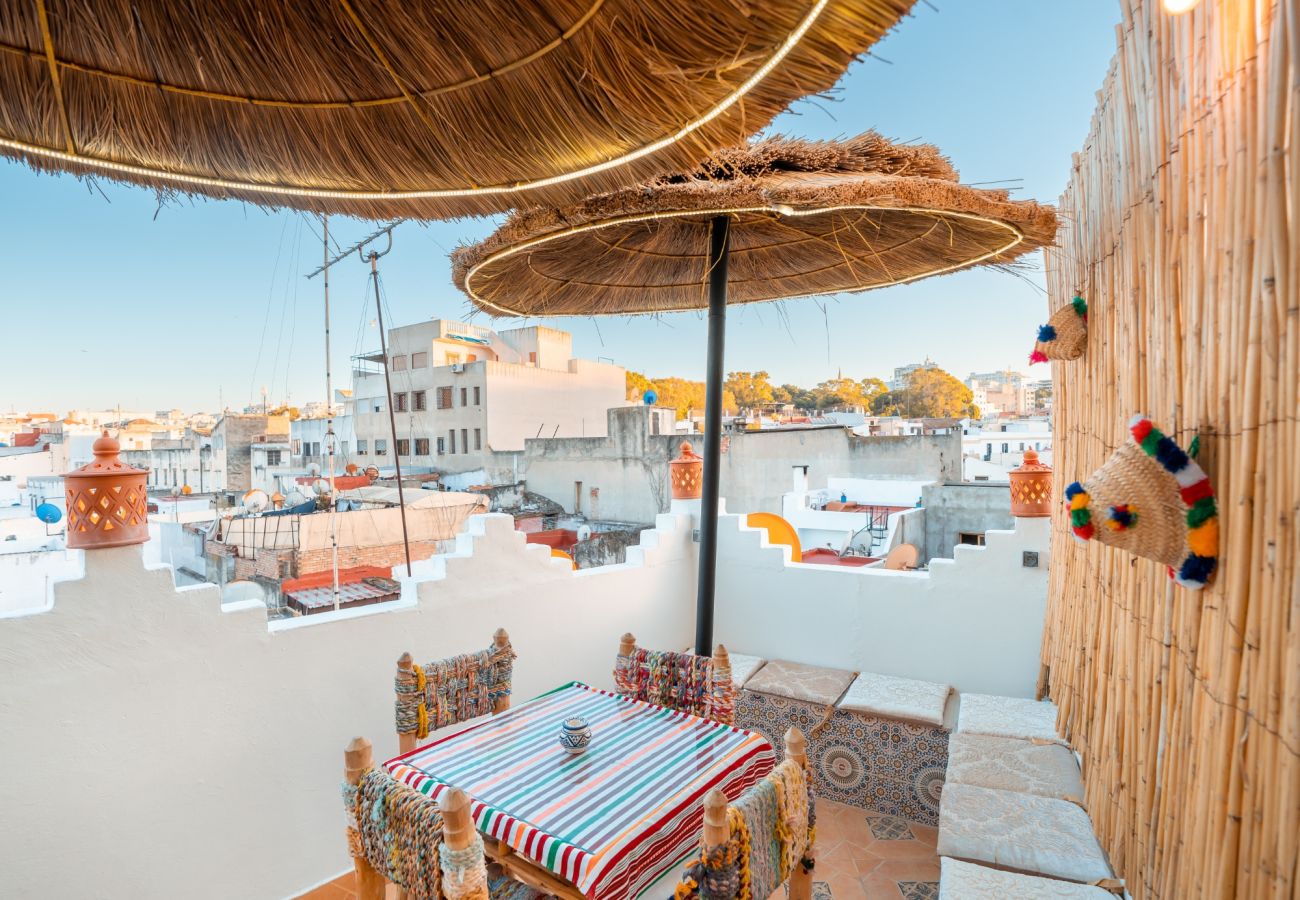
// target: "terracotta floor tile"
[[329, 891]]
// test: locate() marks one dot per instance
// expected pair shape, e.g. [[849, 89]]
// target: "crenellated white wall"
[[155, 745], [974, 621]]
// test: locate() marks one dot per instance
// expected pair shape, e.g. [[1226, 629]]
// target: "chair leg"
[[357, 758]]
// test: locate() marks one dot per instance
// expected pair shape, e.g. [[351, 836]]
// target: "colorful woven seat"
[[699, 685], [452, 690]]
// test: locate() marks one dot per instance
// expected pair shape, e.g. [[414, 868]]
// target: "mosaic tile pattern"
[[820, 891], [884, 765], [919, 890], [890, 828]]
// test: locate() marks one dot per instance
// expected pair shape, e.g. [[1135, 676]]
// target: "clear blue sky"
[[115, 301]]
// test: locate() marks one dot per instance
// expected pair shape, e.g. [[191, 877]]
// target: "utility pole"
[[329, 417]]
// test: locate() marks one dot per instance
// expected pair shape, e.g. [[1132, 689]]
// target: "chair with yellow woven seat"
[[699, 685], [452, 690], [764, 839]]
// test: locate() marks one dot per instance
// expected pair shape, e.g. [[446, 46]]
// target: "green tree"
[[930, 393], [871, 389], [637, 385], [750, 389]]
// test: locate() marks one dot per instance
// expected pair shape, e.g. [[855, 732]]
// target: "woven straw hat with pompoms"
[[1065, 334], [1151, 499]]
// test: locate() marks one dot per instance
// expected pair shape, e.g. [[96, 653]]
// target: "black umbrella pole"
[[719, 239]]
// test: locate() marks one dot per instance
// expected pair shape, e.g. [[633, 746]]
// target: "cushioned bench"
[[1011, 764], [743, 668], [966, 881], [1012, 717], [877, 742], [1023, 832]]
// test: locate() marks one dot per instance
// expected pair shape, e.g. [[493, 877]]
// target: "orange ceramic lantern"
[[686, 473], [1031, 488], [106, 501]]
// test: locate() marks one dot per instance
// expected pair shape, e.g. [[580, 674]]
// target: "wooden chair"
[[720, 848], [445, 827], [700, 685], [452, 690]]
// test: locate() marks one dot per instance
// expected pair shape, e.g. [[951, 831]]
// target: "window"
[[377, 405], [272, 457], [399, 402], [297, 447], [452, 359], [1006, 448], [419, 360], [478, 397], [532, 357], [451, 440], [403, 447], [971, 537], [421, 446], [418, 401], [442, 447], [315, 448], [444, 398], [363, 447], [464, 396], [381, 447], [478, 439], [464, 440], [399, 363], [1022, 446]]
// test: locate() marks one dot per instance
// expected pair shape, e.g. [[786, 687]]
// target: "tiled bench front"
[[877, 762]]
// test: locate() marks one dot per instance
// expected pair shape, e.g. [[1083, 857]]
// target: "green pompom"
[[1081, 307], [1194, 448]]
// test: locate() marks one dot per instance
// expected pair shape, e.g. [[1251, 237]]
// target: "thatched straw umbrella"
[[388, 109], [778, 219]]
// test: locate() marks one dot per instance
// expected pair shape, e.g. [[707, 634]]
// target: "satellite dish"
[[313, 469], [186, 490], [256, 500], [320, 486], [650, 398], [584, 532], [372, 471], [350, 468], [49, 513]]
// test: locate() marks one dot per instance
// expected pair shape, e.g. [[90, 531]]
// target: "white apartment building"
[[309, 447], [1000, 393], [466, 397], [903, 373], [175, 463]]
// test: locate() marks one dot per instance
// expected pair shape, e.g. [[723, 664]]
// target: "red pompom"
[[1037, 356], [1141, 428]]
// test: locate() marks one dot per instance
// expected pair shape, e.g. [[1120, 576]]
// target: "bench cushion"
[[743, 668], [1019, 831], [1012, 717], [1009, 764], [897, 698], [797, 681], [966, 881]]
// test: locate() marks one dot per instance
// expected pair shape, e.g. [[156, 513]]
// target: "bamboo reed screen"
[[1181, 227]]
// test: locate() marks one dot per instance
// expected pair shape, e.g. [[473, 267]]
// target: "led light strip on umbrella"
[[530, 115], [784, 218]]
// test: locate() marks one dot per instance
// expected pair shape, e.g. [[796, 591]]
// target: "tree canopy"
[[931, 394]]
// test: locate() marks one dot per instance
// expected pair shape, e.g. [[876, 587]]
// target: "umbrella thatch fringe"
[[808, 218], [387, 97]]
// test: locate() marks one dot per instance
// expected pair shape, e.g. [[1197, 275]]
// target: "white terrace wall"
[[974, 621], [155, 745]]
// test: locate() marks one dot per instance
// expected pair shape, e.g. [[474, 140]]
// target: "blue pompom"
[[1170, 455], [1197, 568], [1046, 333], [1073, 489]]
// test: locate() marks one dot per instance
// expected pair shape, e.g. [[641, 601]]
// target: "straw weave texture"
[[385, 96], [806, 218]]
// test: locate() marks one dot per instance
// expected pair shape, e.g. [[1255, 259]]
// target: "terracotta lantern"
[[687, 474], [1031, 488], [106, 501]]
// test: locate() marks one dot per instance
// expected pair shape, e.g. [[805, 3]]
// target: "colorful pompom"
[[1037, 356], [1046, 333], [1081, 307], [1121, 518]]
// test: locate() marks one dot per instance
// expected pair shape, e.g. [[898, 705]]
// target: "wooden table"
[[608, 823]]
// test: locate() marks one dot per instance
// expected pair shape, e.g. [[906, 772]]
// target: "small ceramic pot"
[[575, 735]]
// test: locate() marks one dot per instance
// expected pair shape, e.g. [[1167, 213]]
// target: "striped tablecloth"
[[613, 820]]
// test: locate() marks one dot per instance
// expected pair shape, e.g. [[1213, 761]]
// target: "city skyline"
[[210, 299]]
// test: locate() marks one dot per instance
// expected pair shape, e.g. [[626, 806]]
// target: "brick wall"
[[385, 555]]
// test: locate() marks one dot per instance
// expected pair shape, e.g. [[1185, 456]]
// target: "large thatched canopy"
[[387, 108], [807, 218]]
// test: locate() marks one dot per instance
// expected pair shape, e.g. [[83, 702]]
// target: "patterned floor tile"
[[919, 890], [820, 891], [890, 828]]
